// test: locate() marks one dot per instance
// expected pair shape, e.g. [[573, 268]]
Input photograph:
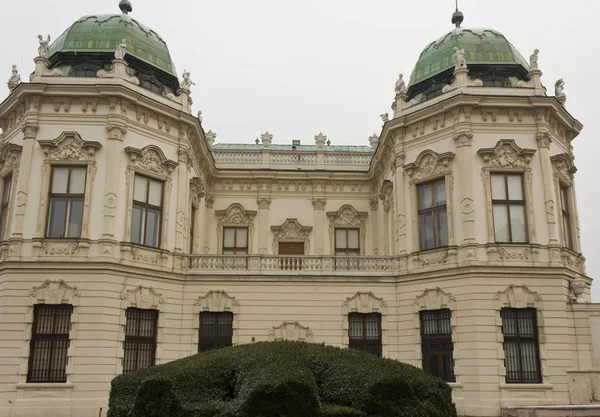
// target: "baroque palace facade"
[[129, 238]]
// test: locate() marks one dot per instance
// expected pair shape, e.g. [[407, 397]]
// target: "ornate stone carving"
[[429, 164], [291, 331], [319, 204], [30, 130], [386, 194], [517, 296], [145, 256], [506, 154], [54, 292], [364, 302], [217, 301], [186, 82], [69, 146], [236, 214], [400, 87], [266, 139], [459, 58], [196, 191], [439, 258], [44, 46], [533, 60], [10, 156], [116, 130], [518, 255], [151, 159], [121, 50], [263, 203], [56, 248], [14, 80], [559, 91], [564, 167], [578, 286], [543, 139], [143, 297], [347, 216], [291, 231], [463, 138], [435, 299]]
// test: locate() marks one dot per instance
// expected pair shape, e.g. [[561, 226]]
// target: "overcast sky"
[[297, 68]]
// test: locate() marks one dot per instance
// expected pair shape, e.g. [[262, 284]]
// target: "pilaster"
[[544, 140], [30, 130], [209, 213], [114, 160], [463, 139], [183, 181], [319, 217], [263, 224], [399, 208]]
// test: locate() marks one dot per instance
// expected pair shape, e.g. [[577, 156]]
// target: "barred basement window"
[[365, 332], [140, 339], [521, 346], [436, 344], [216, 331], [49, 343]]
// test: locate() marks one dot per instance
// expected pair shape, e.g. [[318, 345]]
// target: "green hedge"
[[281, 379]]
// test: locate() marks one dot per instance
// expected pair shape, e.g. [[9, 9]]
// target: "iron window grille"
[[436, 344], [433, 216], [508, 205], [6, 188], [49, 343], [147, 211], [216, 331], [521, 346], [566, 216], [65, 211], [140, 339], [364, 332]]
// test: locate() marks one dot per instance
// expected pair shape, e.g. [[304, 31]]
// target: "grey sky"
[[298, 68]]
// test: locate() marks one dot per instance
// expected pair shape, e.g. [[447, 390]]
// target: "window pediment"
[[291, 230], [54, 292], [291, 330], [347, 216], [235, 214], [217, 301], [69, 146], [518, 296], [143, 297], [152, 160], [506, 154], [435, 299], [429, 164], [364, 302]]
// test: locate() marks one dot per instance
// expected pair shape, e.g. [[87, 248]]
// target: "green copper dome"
[[482, 47], [103, 33]]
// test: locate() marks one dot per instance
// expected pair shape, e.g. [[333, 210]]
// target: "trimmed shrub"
[[273, 379]]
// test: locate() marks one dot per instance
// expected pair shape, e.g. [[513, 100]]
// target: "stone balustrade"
[[290, 264]]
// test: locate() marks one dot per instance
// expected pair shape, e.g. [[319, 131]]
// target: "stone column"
[[263, 224], [463, 139], [319, 221], [30, 130], [374, 204], [543, 140], [183, 182], [114, 160], [208, 215]]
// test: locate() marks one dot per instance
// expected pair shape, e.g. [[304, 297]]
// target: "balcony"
[[290, 265]]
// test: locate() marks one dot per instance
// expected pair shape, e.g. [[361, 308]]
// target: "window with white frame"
[[67, 193], [433, 215], [235, 240], [508, 205], [347, 242], [6, 189], [147, 211]]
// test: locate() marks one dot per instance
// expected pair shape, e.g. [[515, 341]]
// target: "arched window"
[[151, 86]]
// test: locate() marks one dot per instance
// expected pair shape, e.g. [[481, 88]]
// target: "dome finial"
[[457, 16], [125, 6]]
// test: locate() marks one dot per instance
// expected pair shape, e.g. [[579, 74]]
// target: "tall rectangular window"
[[140, 339], [508, 205], [235, 240], [193, 228], [49, 343], [521, 346], [365, 332], [147, 211], [433, 217], [6, 188], [566, 216], [436, 344], [67, 192], [347, 242], [216, 331]]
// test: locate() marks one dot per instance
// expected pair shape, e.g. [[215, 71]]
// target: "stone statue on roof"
[[459, 58], [559, 91], [15, 79], [44, 46], [186, 83], [385, 117], [121, 50], [533, 60], [400, 87], [200, 115]]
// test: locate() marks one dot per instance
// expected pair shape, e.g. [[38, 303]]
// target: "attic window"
[[152, 86]]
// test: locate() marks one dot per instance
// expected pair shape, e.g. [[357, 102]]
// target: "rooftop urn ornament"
[[533, 60], [457, 16], [320, 140], [121, 50], [578, 289], [210, 138], [374, 141], [559, 91], [125, 6], [400, 87], [385, 117], [15, 79], [44, 46], [266, 139], [459, 58], [186, 83]]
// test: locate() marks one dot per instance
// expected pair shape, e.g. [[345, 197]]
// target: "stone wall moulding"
[[429, 164], [152, 160], [386, 194], [347, 217], [217, 301], [54, 292], [10, 156], [506, 154], [291, 331], [196, 191], [69, 146], [143, 297], [291, 231], [564, 167], [517, 296], [435, 299], [364, 302]]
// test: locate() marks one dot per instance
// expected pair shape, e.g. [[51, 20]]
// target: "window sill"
[[526, 387], [455, 385], [45, 385]]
